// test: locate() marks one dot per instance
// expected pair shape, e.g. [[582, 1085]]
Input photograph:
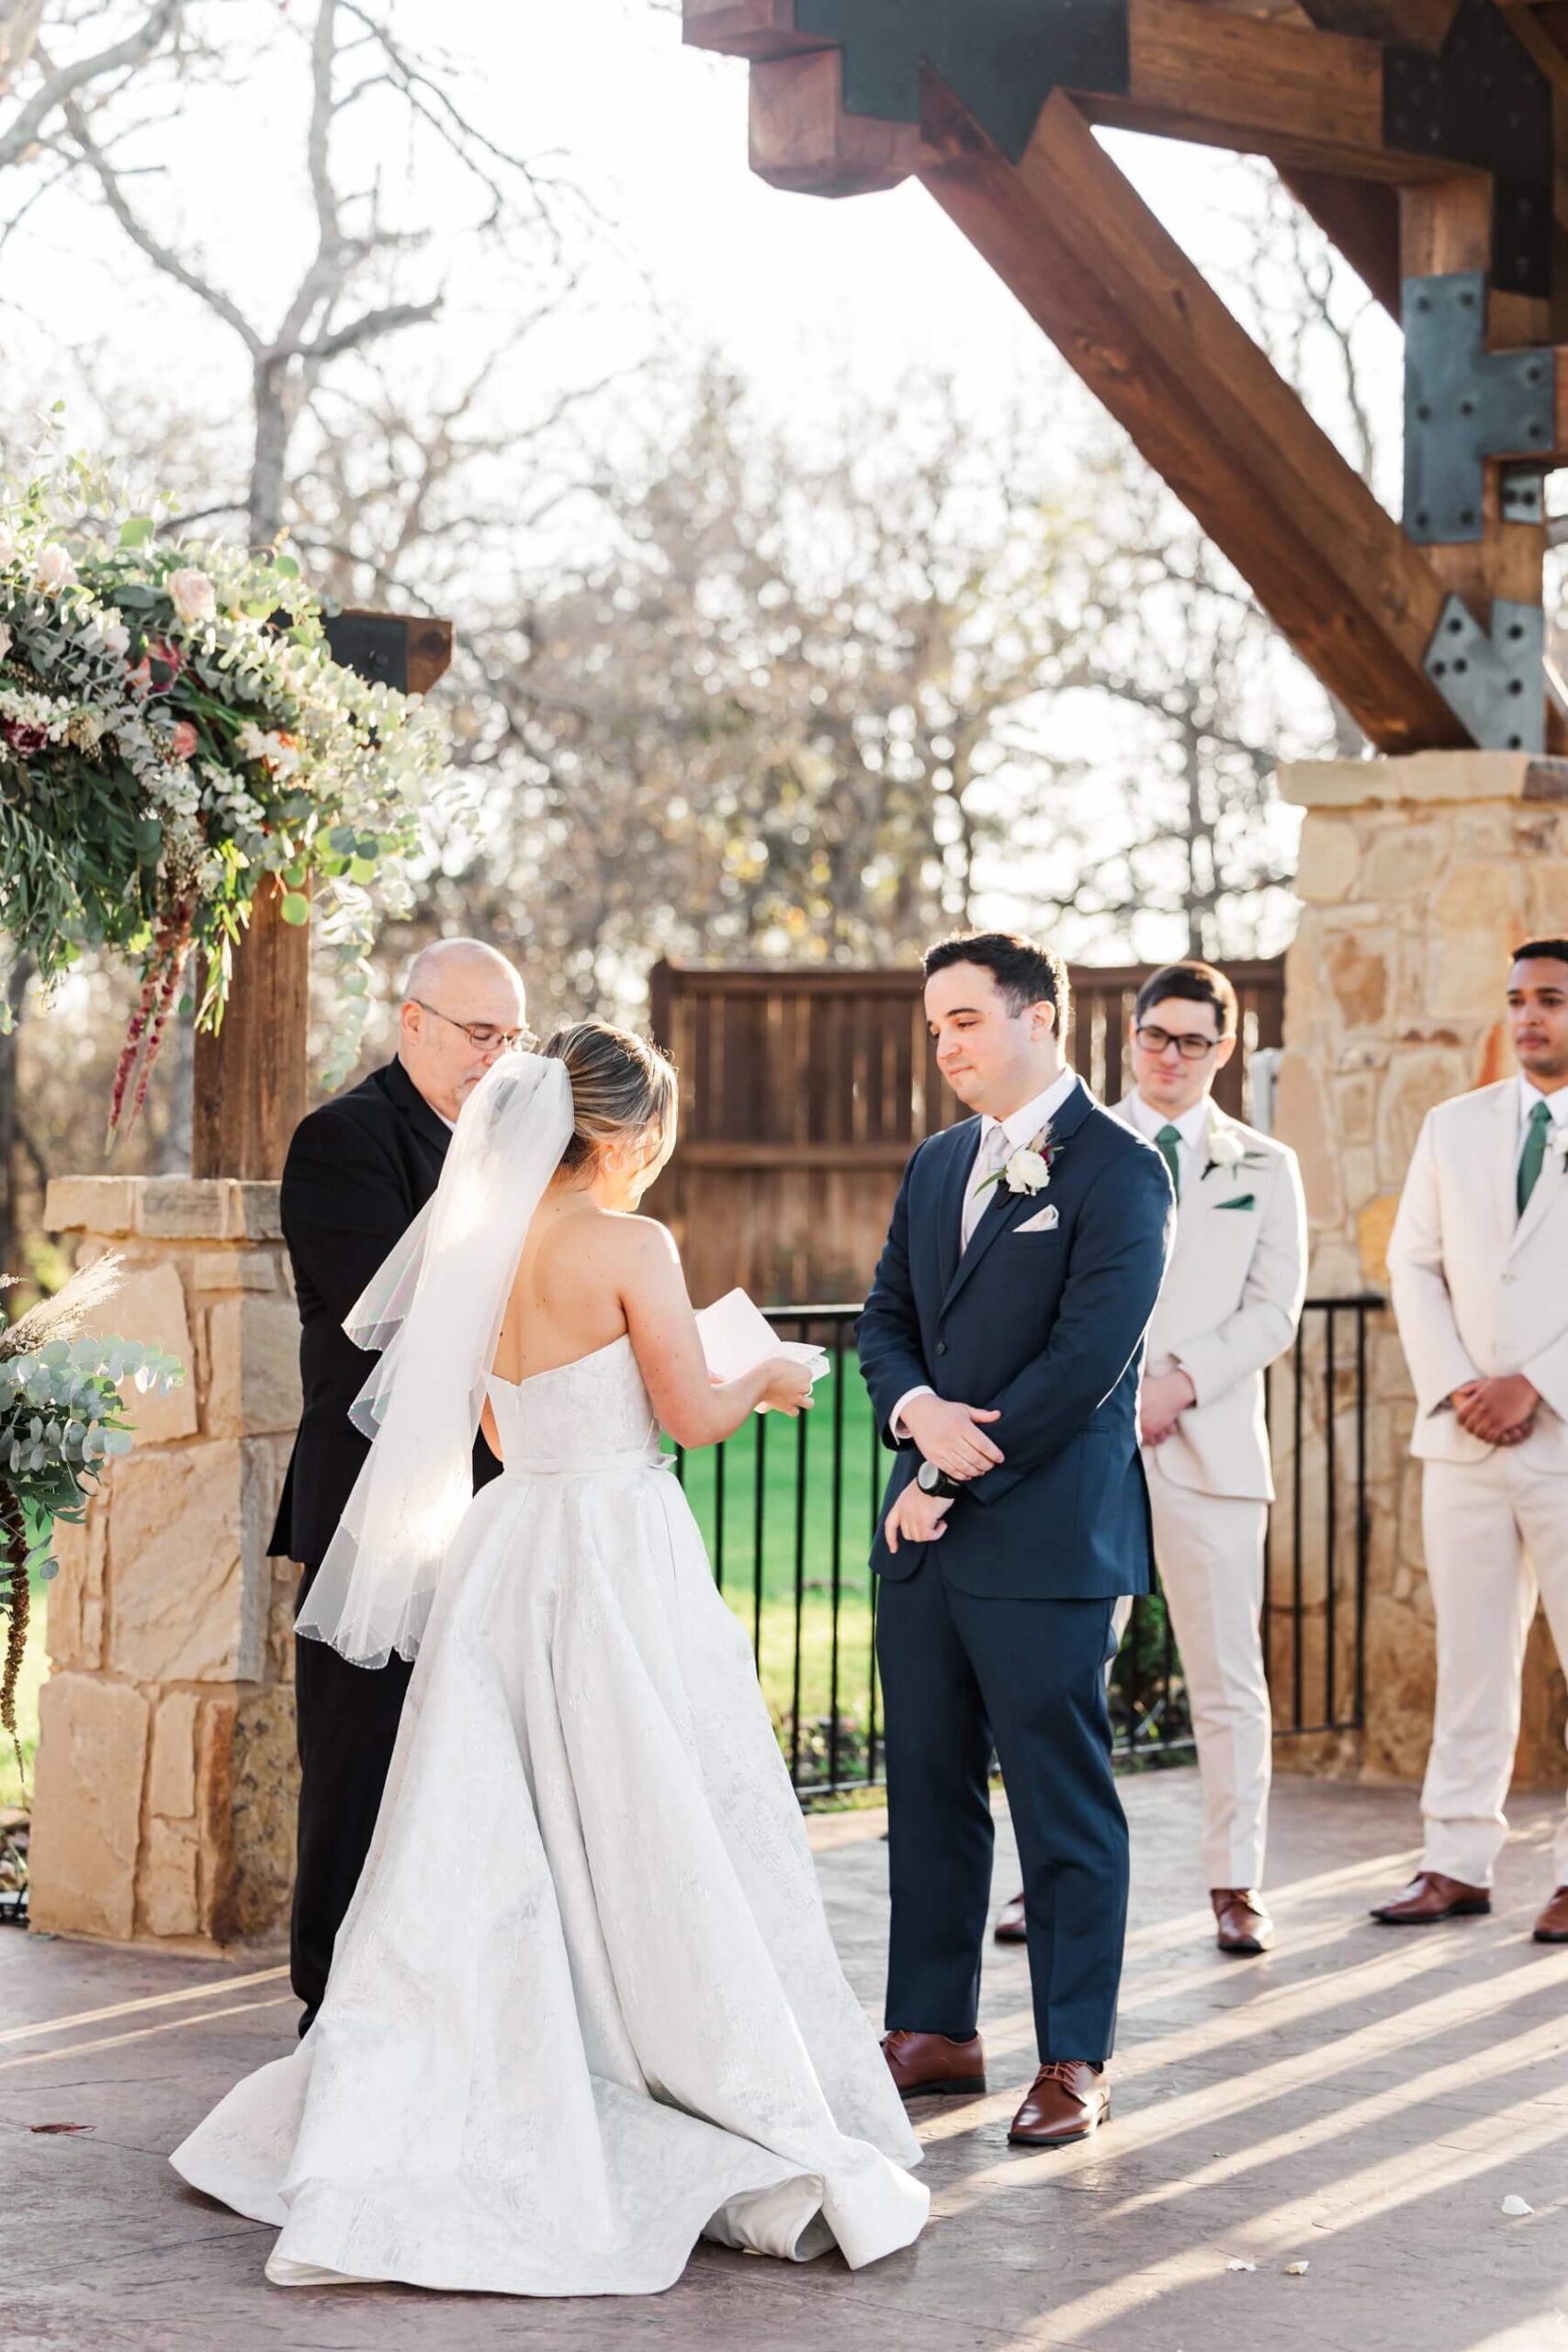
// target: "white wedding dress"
[[585, 2008]]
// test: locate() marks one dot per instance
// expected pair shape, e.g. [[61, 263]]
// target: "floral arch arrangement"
[[173, 729]]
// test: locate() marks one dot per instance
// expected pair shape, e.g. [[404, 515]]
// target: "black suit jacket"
[[1047, 1326], [358, 1171]]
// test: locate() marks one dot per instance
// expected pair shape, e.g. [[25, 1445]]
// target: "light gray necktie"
[[994, 1154]]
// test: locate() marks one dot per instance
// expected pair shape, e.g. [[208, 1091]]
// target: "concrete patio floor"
[[1361, 2099]]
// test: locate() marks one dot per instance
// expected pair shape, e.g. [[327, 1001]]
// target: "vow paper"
[[737, 1336]]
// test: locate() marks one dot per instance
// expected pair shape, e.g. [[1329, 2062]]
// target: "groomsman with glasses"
[[1479, 1267], [1230, 1305]]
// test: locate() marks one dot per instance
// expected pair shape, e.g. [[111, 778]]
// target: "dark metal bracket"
[[1493, 684], [1002, 59], [1483, 101], [1463, 404]]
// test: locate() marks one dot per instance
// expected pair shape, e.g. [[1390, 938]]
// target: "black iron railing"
[[789, 1511]]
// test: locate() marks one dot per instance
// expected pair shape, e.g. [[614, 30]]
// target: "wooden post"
[[251, 1077], [252, 1080]]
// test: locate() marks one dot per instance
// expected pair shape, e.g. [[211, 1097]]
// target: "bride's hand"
[[788, 1386]]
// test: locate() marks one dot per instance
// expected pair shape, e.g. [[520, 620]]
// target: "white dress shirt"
[[1556, 1103], [1193, 1126], [1021, 1127]]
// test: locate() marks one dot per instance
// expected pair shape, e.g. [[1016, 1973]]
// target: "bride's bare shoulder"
[[642, 1237], [634, 1248]]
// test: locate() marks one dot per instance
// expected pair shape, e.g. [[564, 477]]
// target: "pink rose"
[[185, 742], [192, 594]]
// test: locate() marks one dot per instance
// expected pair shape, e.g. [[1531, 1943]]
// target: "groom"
[[1002, 1344]]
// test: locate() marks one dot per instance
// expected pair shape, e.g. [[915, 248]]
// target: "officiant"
[[358, 1171]]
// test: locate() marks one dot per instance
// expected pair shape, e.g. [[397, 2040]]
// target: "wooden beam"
[[744, 27], [1261, 86], [1361, 218], [1408, 24], [1310, 99], [409, 655], [802, 139], [1093, 266], [251, 1078]]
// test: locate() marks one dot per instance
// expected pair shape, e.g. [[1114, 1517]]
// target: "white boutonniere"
[[1226, 1150], [1029, 1169]]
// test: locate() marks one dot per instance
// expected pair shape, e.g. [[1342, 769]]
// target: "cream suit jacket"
[[1477, 1288], [1230, 1304]]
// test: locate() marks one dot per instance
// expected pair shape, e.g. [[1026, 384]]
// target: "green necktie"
[[1169, 1142], [1533, 1156]]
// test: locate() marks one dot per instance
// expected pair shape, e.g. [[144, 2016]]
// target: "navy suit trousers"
[[961, 1673]]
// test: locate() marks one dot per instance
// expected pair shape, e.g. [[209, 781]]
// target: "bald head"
[[461, 962], [463, 1005]]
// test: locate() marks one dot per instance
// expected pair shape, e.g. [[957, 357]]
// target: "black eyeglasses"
[[482, 1033], [1190, 1046]]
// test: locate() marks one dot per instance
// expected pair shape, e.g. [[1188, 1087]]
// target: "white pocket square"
[[1044, 1221]]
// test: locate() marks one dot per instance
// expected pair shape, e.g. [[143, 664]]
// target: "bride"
[[584, 2008]]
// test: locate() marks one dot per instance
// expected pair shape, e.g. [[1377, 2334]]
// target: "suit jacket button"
[[941, 1347]]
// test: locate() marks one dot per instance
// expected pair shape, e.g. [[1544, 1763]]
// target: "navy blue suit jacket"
[[1048, 1327]]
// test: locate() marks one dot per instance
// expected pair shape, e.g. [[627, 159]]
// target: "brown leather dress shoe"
[[1551, 1928], [1430, 1897], [928, 2066], [1241, 1922], [1067, 2101], [1010, 1927]]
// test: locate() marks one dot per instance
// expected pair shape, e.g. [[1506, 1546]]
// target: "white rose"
[[5, 640], [55, 569], [192, 594], [1225, 1148], [1028, 1172]]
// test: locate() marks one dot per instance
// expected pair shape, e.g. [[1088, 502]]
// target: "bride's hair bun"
[[620, 1086]]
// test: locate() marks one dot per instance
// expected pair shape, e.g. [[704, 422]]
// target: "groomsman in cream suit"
[[1479, 1267], [1230, 1304]]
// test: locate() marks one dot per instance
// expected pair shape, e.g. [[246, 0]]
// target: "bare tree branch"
[[18, 41], [160, 255]]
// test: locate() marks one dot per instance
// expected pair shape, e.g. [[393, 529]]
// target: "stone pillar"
[[164, 1787], [1417, 877]]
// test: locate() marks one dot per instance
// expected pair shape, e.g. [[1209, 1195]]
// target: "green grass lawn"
[[808, 1546]]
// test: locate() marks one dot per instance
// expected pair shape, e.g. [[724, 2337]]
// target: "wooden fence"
[[804, 1093]]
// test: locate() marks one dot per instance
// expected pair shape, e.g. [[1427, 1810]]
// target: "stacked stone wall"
[[1418, 878], [165, 1782]]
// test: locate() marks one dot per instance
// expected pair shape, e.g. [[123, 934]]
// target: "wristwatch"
[[932, 1481]]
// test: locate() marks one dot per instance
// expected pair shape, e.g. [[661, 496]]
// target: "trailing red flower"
[[128, 1053], [178, 937]]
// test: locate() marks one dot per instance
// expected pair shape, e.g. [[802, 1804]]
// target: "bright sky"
[[804, 294], [815, 303]]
